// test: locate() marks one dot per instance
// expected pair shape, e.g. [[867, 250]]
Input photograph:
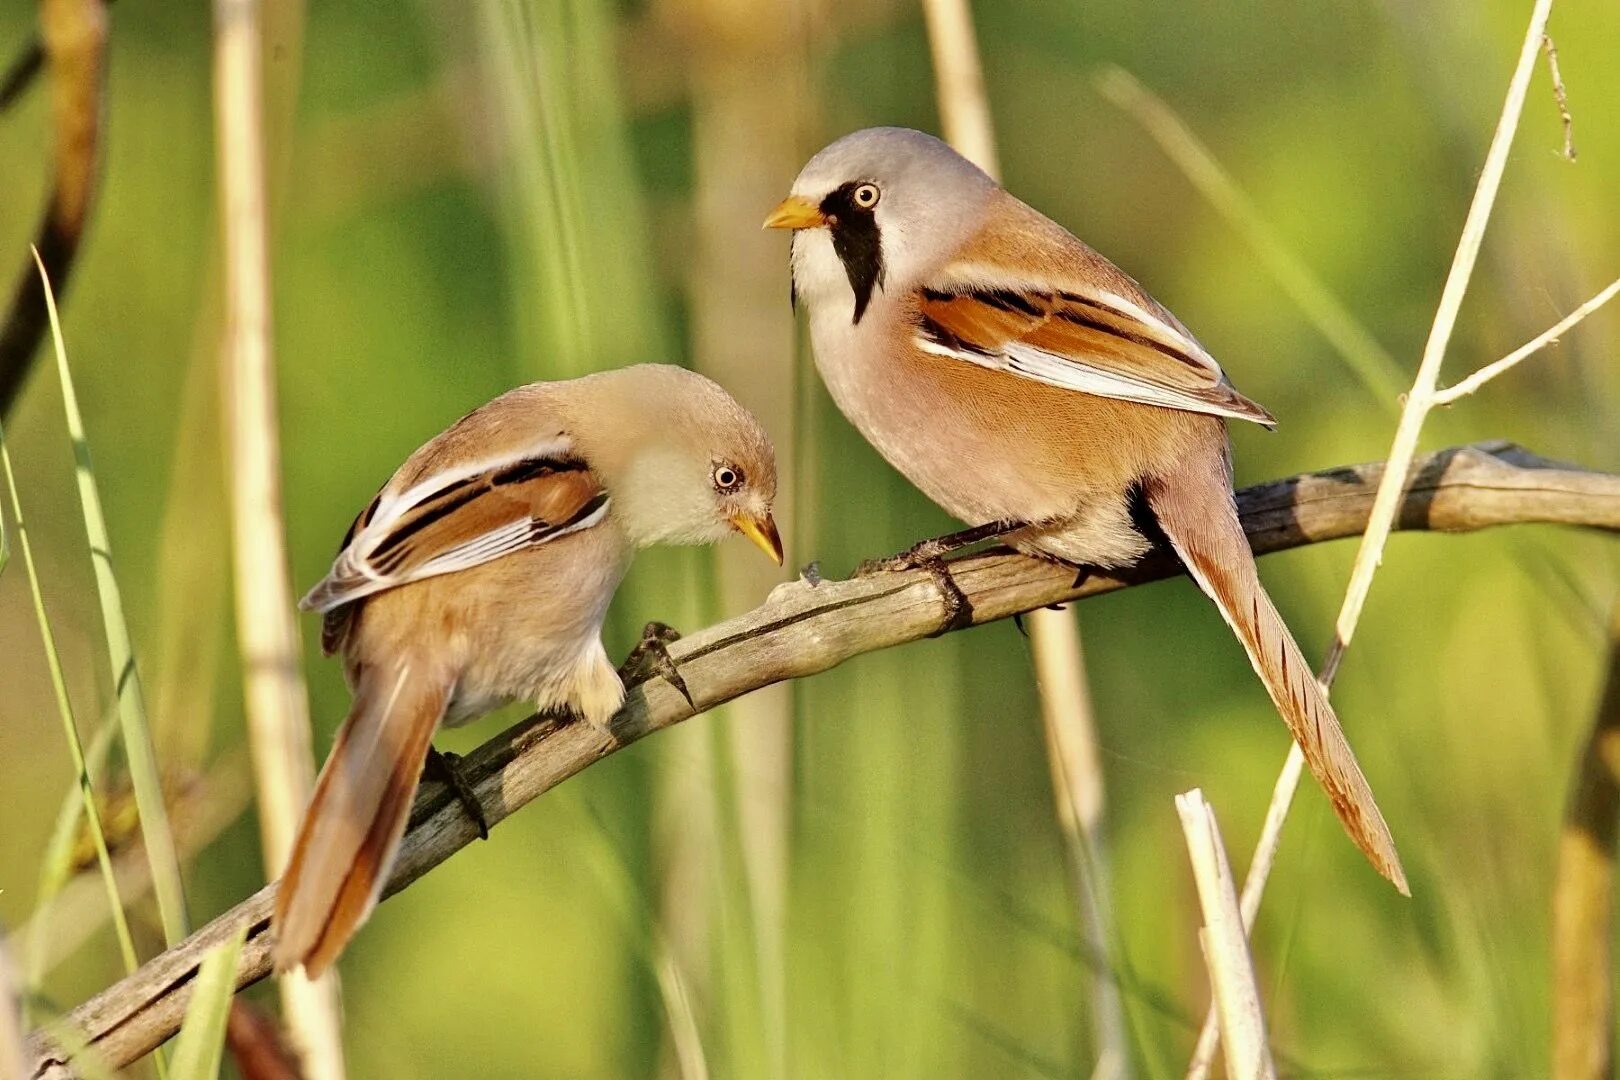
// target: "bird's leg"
[[919, 555], [958, 608], [446, 768], [650, 658]]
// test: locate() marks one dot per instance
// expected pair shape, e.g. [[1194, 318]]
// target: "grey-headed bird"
[[481, 574], [1029, 386]]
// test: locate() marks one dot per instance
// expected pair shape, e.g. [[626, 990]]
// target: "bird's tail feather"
[[351, 832], [1194, 507]]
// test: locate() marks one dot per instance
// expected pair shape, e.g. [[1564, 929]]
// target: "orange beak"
[[762, 531], [796, 212]]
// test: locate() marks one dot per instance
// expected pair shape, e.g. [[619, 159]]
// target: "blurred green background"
[[860, 875]]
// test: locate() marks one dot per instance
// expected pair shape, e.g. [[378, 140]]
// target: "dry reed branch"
[[1583, 895], [1541, 341], [1420, 400], [1060, 675], [73, 36], [1225, 943], [273, 683], [1560, 96], [802, 630]]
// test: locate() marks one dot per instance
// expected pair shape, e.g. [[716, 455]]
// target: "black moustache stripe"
[[856, 241]]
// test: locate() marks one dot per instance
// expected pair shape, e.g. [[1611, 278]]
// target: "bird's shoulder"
[[505, 477]]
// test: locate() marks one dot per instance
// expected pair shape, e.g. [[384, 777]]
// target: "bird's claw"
[[958, 608], [650, 658], [446, 768]]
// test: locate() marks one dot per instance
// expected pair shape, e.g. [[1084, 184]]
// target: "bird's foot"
[[919, 555], [651, 658], [958, 608], [446, 768]]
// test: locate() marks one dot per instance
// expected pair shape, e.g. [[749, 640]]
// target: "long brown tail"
[[351, 832], [1194, 507]]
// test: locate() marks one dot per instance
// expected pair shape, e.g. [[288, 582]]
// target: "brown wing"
[[1072, 341], [1028, 298], [455, 520]]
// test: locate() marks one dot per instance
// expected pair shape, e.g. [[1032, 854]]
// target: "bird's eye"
[[866, 196], [727, 478]]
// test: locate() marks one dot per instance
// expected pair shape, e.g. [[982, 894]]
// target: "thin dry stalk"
[[1225, 943], [276, 700], [749, 100], [1583, 896], [1560, 96], [964, 107], [1528, 349], [1066, 712], [1386, 503], [1072, 750]]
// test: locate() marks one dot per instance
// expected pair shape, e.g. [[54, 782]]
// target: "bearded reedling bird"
[[1030, 387], [481, 574]]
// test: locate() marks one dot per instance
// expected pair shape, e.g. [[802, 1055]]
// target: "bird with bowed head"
[[481, 574]]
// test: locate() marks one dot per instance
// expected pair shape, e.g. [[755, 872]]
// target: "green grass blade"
[[5, 544], [143, 767], [56, 867], [201, 1043], [64, 707]]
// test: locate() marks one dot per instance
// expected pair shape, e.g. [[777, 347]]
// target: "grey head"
[[877, 210]]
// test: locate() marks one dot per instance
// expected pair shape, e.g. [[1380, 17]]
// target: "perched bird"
[[480, 574], [1029, 386]]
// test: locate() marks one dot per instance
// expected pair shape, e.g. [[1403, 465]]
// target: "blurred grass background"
[[474, 195]]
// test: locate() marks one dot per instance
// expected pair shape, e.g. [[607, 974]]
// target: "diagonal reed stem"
[[1386, 503]]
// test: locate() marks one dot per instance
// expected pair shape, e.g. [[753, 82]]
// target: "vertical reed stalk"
[[1583, 896], [273, 683], [1071, 732], [1225, 944], [749, 101]]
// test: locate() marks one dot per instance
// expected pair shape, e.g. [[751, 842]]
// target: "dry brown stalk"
[[1560, 96], [73, 35], [272, 675], [1225, 943], [1583, 895], [803, 630]]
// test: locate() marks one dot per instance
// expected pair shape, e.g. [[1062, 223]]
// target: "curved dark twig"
[[73, 47]]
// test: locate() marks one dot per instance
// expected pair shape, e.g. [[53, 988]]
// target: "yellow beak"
[[762, 531], [796, 212]]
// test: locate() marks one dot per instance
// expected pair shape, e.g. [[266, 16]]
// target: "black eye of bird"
[[727, 479], [866, 196]]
